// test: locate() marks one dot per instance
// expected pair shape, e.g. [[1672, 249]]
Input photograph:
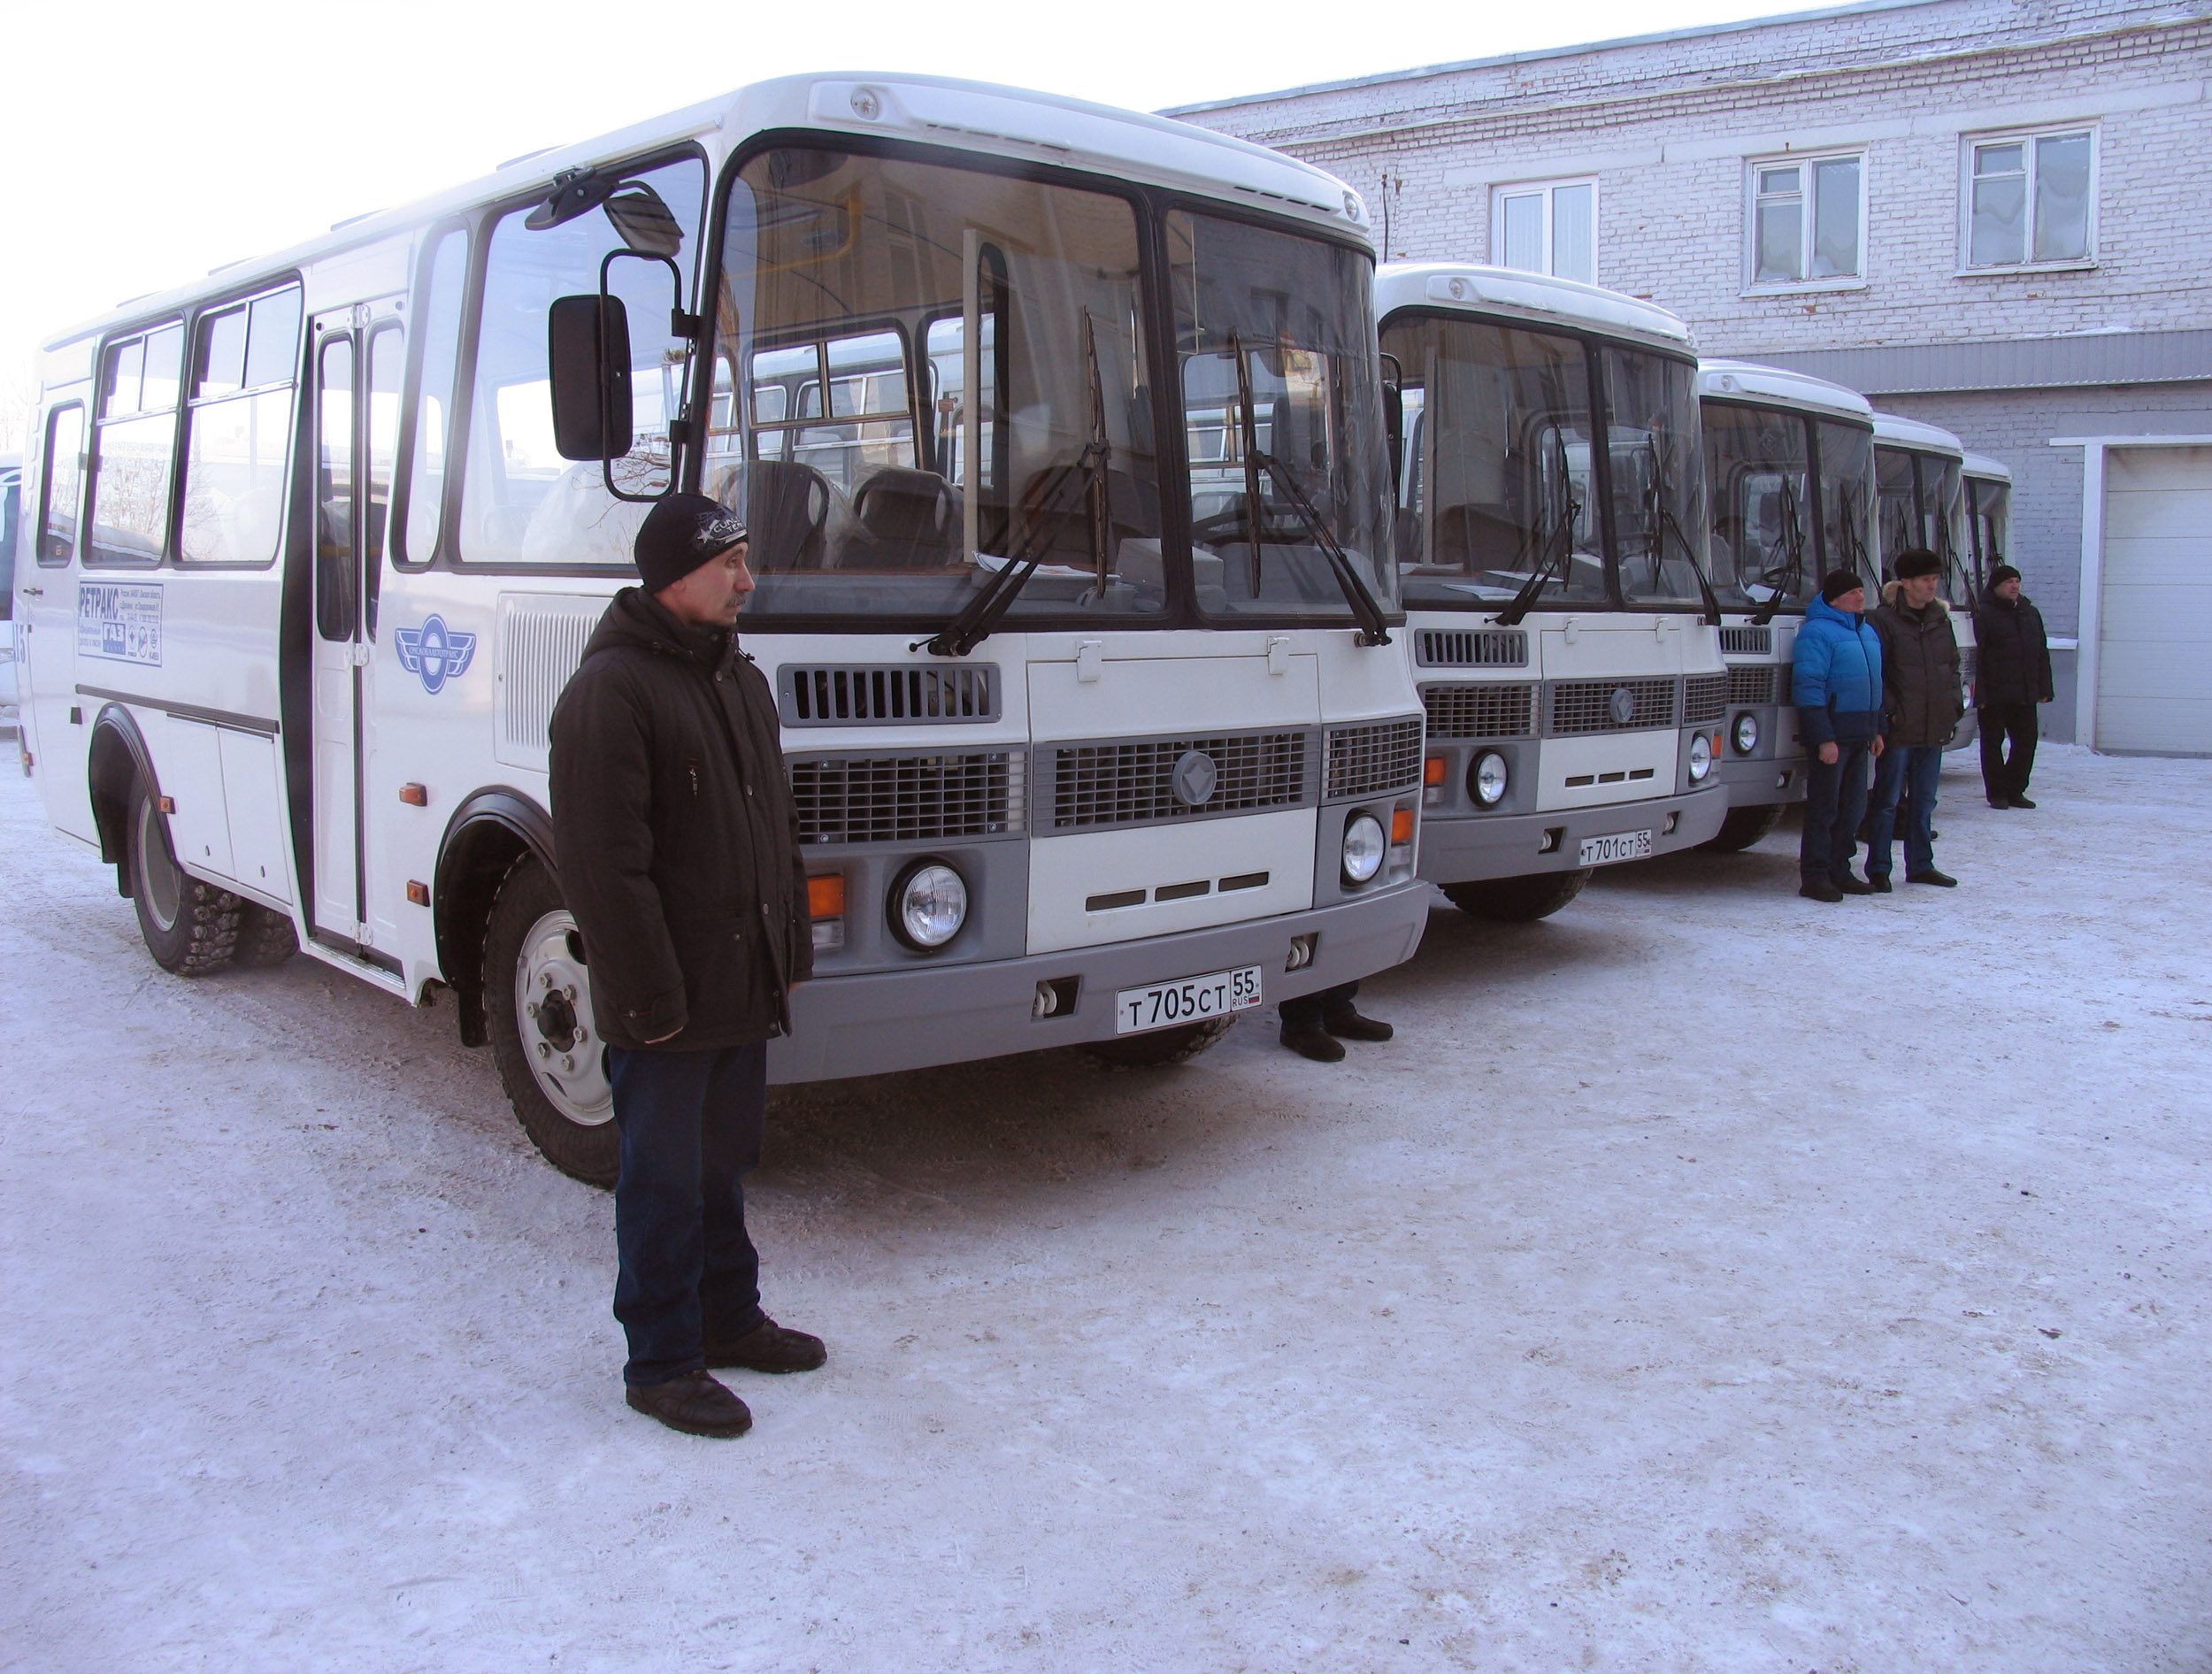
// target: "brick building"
[[1988, 214]]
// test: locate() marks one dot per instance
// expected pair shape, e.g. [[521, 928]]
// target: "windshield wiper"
[[982, 613], [1558, 550], [1664, 521], [1794, 543], [1365, 609]]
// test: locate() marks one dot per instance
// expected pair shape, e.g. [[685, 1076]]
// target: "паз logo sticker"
[[435, 652]]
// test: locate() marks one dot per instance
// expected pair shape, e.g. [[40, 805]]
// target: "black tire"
[[265, 937], [1159, 1047], [548, 1088], [1517, 901], [190, 927], [1743, 828]]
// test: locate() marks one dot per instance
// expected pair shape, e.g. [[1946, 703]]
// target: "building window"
[[2031, 198], [1546, 227], [1808, 221]]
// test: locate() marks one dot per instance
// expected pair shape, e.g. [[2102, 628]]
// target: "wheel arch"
[[117, 756], [490, 834]]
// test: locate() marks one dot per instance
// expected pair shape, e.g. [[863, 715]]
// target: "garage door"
[[2155, 651]]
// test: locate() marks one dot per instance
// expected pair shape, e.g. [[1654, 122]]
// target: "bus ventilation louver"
[[1587, 706], [1473, 648], [896, 799], [885, 694], [1704, 699], [1746, 641], [1755, 685], [1133, 784], [1480, 712], [541, 643], [1365, 761]]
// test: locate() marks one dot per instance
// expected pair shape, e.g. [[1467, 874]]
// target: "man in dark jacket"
[[679, 854], [1920, 687], [1838, 691], [2012, 675]]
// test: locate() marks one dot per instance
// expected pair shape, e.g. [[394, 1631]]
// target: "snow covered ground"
[[1704, 1280]]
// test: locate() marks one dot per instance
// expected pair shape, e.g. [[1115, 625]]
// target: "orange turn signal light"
[[1432, 771], [1401, 826], [825, 895], [415, 795]]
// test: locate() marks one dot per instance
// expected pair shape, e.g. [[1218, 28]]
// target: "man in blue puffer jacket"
[[1838, 691]]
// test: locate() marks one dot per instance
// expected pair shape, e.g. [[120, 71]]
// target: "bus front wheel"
[[190, 927], [537, 1000], [1517, 901], [1743, 828], [1160, 1048]]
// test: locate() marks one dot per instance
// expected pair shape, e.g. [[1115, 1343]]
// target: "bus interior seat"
[[1133, 513], [1477, 537], [787, 507], [911, 519]]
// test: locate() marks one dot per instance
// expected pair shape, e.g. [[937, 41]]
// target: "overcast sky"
[[147, 143]]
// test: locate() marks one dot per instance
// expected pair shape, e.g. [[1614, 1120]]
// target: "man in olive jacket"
[[1920, 695], [678, 853], [2012, 675]]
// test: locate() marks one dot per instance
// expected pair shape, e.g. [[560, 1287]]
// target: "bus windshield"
[[1658, 477], [1991, 506], [1758, 465], [1847, 496], [925, 376], [1923, 503]]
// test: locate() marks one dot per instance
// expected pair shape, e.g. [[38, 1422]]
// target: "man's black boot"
[[693, 1403], [1310, 1042], [768, 1347], [1878, 883], [1348, 1024], [1941, 879], [1851, 885], [1819, 889], [2018, 802]]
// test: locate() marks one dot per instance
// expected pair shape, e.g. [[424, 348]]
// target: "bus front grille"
[[1752, 683], [885, 799], [1588, 706], [1473, 648], [1473, 710], [1746, 641], [1365, 761], [885, 694], [1131, 784], [1704, 698]]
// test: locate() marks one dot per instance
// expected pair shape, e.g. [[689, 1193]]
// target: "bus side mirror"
[[588, 360]]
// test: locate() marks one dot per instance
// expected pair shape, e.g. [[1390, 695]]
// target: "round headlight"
[[1364, 846], [1488, 781], [1700, 756], [928, 905], [1746, 734]]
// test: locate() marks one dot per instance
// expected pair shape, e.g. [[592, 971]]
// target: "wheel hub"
[[553, 1016]]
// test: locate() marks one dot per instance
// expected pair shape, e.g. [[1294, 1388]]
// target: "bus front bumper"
[[1753, 782], [883, 1022], [1473, 849]]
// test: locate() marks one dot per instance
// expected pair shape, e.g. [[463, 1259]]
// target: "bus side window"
[[135, 449], [387, 367], [335, 564], [61, 485], [418, 503], [241, 425]]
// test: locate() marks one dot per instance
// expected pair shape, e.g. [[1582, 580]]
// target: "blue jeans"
[[1910, 774], [691, 1125], [1835, 801]]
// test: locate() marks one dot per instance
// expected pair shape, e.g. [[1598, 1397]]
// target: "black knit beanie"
[[680, 535], [1915, 561], [2002, 574], [1836, 583]]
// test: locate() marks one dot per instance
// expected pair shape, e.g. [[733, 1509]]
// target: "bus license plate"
[[1192, 1000], [1622, 845]]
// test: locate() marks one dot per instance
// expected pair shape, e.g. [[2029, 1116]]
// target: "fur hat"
[[1836, 583], [680, 535]]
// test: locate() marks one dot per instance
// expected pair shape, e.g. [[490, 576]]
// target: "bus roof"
[[1980, 464], [1536, 297], [971, 116], [1894, 430], [1742, 381]]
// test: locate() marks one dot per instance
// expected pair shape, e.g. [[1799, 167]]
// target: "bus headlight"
[[1747, 732], [1489, 779], [1364, 843], [929, 903], [1700, 757]]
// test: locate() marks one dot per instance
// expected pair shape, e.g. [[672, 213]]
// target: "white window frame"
[[1547, 187], [1806, 162], [1968, 268]]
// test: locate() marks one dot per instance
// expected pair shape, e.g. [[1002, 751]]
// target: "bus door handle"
[[359, 655], [33, 593]]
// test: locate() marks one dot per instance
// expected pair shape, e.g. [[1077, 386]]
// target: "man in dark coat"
[[1920, 688], [1838, 691], [678, 853], [2012, 675]]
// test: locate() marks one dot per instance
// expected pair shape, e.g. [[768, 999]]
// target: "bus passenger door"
[[338, 904]]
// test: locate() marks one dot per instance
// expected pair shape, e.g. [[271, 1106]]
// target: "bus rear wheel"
[[190, 927], [1743, 828], [265, 937], [1160, 1048], [537, 1000], [1517, 901]]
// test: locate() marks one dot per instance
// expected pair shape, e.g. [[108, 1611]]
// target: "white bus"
[[1920, 501], [1091, 744], [1789, 462], [10, 524], [1551, 546]]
